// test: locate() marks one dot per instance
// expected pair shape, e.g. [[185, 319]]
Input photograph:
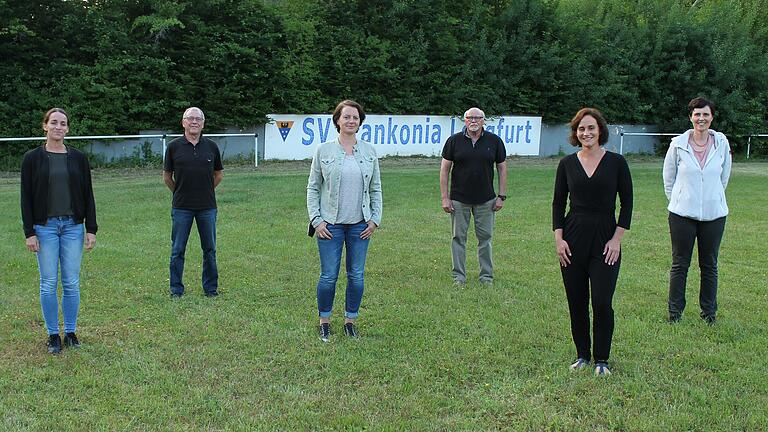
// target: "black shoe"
[[674, 318], [211, 293], [176, 295], [350, 330], [325, 332], [709, 319], [70, 340], [54, 344]]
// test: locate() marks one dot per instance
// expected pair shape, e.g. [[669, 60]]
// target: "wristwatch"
[[503, 197]]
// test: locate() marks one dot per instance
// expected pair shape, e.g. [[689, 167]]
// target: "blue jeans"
[[330, 261], [206, 227], [61, 241]]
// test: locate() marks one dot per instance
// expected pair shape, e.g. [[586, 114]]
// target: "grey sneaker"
[[579, 364], [325, 332], [601, 369]]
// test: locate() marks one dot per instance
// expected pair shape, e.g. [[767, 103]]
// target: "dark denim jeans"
[[330, 262], [708, 234], [206, 227]]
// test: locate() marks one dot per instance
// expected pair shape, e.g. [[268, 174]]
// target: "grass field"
[[431, 356]]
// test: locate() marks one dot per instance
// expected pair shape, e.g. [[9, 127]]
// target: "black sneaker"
[[709, 319], [211, 293], [674, 318], [70, 340], [176, 295], [350, 330], [325, 332], [54, 344]]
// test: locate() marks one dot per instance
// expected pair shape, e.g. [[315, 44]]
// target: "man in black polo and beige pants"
[[468, 159], [192, 169]]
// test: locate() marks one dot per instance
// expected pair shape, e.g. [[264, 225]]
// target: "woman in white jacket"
[[696, 172]]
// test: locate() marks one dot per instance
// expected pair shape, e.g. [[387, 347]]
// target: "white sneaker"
[[601, 369], [579, 364]]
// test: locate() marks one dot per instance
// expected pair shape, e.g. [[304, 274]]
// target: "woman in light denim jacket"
[[696, 172], [344, 205]]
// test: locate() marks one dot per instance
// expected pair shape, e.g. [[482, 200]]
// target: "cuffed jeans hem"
[[351, 315], [324, 314]]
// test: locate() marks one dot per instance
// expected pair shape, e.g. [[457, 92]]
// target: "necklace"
[[696, 143], [52, 149], [349, 148]]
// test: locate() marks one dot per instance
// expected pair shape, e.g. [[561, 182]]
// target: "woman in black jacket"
[[56, 201]]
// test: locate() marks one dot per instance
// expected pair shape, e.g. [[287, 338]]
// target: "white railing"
[[163, 136], [749, 141], [621, 145], [621, 148]]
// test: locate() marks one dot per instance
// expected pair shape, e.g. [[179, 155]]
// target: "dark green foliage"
[[119, 66]]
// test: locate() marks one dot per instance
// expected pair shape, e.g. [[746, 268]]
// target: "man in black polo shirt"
[[468, 159], [192, 170]]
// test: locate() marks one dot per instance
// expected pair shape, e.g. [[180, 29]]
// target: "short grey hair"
[[188, 110], [482, 113]]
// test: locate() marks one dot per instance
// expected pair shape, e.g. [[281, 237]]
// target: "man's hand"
[[447, 205], [498, 204]]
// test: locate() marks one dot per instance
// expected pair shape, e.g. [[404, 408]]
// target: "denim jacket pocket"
[[326, 165], [367, 167]]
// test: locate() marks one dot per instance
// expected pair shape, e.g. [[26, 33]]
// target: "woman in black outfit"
[[588, 238]]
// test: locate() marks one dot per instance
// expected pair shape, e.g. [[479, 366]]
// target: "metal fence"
[[621, 146], [622, 134], [256, 139], [749, 141], [151, 136]]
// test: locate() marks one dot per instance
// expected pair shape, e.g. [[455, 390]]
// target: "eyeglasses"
[[195, 119], [474, 118]]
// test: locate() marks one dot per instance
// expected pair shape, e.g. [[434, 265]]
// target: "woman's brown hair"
[[602, 125], [347, 103], [51, 111]]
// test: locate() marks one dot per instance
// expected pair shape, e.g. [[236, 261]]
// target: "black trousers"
[[707, 234], [587, 268]]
